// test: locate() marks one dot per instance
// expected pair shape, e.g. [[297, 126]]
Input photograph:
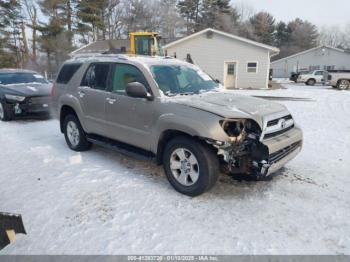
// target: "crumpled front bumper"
[[282, 149]]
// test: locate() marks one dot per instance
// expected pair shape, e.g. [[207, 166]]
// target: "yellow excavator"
[[145, 43]]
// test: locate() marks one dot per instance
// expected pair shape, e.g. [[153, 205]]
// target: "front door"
[[92, 94], [230, 75], [129, 119]]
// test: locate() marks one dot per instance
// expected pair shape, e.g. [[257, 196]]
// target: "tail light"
[[53, 90]]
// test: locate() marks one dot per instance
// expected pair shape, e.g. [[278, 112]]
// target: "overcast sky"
[[320, 12]]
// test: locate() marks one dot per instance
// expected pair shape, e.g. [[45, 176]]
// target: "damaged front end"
[[246, 152]]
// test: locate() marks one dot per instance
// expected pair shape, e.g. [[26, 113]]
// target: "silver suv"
[[174, 113]]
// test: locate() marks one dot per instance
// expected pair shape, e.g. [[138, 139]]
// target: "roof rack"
[[96, 55]]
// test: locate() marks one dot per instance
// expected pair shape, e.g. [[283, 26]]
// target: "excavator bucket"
[[10, 225]]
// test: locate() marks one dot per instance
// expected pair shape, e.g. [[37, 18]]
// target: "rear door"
[[129, 119], [92, 94]]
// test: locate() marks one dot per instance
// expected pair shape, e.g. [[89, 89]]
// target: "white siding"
[[210, 55], [331, 57]]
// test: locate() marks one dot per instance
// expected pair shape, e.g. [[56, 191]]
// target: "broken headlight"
[[238, 130], [233, 128], [15, 98]]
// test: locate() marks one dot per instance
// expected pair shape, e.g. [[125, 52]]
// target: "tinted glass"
[[21, 78], [252, 65], [67, 73], [176, 79], [96, 76], [124, 74]]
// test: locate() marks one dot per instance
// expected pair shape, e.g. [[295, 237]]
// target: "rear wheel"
[[74, 134], [343, 84], [5, 112], [311, 82], [191, 167]]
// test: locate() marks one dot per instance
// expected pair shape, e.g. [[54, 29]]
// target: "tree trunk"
[[25, 44]]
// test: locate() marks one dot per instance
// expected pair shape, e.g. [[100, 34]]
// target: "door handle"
[[111, 100], [81, 94]]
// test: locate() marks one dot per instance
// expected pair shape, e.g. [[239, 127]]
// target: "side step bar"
[[125, 149]]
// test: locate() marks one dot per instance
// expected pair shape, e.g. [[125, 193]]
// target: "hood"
[[28, 90], [229, 105]]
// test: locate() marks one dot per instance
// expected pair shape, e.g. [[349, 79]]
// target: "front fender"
[[206, 127]]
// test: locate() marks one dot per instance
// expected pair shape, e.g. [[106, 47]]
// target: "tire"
[[74, 134], [310, 82], [343, 84], [204, 173], [5, 112]]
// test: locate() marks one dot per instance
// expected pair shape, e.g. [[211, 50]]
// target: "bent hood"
[[28, 90], [230, 105]]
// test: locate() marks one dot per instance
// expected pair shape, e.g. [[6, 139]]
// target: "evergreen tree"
[[218, 14], [282, 34], [263, 25], [190, 11], [10, 33]]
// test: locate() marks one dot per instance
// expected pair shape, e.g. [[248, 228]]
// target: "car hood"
[[30, 89], [229, 105]]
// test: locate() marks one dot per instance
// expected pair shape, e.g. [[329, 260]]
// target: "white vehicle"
[[314, 77], [340, 80]]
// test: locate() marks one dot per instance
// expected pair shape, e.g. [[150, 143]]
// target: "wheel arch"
[[165, 137], [66, 110]]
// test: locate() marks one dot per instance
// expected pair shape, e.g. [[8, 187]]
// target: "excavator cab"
[[145, 43]]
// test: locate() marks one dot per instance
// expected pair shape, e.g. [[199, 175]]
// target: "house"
[[235, 61], [319, 58]]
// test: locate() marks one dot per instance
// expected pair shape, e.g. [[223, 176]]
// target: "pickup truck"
[[313, 77], [340, 79]]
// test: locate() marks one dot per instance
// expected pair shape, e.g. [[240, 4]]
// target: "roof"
[[16, 70], [102, 46], [114, 45], [273, 49], [146, 60], [310, 50]]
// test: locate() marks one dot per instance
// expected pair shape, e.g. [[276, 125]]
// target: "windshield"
[[180, 79], [21, 78]]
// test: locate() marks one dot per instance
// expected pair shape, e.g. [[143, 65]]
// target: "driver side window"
[[123, 74]]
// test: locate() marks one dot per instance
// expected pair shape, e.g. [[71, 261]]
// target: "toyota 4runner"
[[174, 113]]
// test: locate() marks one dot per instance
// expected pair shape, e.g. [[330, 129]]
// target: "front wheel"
[[5, 112], [191, 167], [311, 82], [343, 84], [74, 134]]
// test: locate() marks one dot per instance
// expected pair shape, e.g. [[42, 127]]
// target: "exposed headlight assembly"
[[15, 98], [235, 129], [240, 129]]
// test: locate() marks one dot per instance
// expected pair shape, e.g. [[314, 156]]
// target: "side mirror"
[[217, 81], [137, 90]]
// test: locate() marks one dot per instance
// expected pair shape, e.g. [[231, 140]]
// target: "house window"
[[313, 68], [327, 68], [252, 67], [231, 69]]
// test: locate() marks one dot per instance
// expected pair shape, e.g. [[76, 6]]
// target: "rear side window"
[[96, 76], [67, 73]]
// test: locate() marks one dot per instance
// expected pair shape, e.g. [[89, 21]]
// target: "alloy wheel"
[[184, 166], [2, 113], [73, 133]]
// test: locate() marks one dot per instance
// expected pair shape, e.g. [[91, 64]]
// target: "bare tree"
[[332, 36], [31, 11]]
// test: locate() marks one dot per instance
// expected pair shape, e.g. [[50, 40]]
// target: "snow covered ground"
[[100, 202]]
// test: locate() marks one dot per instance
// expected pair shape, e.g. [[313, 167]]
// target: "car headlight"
[[15, 98], [238, 130]]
